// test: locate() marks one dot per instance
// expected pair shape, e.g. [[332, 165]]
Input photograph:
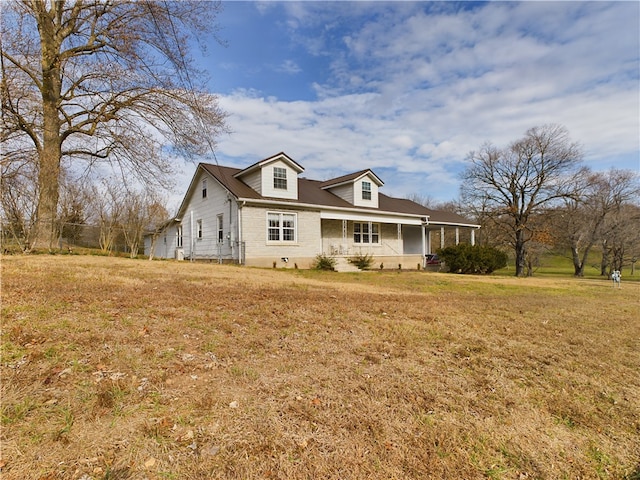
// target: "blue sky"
[[408, 89]]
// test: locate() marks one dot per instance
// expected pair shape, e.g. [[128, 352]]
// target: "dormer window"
[[280, 178], [366, 190]]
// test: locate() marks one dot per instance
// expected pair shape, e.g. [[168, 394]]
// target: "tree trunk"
[[50, 151], [48, 178], [604, 262], [578, 266], [521, 254]]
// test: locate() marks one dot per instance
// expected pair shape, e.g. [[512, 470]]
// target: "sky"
[[408, 89]]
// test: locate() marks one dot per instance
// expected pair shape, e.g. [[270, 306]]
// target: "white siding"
[[345, 192], [207, 210], [357, 193], [165, 244], [254, 180], [267, 181]]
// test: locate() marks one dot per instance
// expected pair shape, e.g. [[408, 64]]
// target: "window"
[[199, 229], [179, 235], [366, 232], [279, 178], [220, 229], [281, 227], [366, 190], [204, 188]]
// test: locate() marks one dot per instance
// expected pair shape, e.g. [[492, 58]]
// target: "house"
[[268, 214]]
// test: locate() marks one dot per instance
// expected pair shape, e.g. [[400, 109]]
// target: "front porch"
[[391, 244]]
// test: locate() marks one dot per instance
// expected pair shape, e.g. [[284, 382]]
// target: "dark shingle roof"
[[311, 192], [348, 178]]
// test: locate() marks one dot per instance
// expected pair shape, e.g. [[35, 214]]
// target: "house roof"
[[314, 192], [334, 182], [278, 156]]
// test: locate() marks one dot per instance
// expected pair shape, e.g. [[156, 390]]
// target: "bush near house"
[[477, 259], [362, 261], [324, 262]]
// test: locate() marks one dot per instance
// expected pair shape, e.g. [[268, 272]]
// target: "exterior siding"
[[207, 210], [345, 192], [267, 181], [260, 252], [357, 193], [165, 244], [254, 180]]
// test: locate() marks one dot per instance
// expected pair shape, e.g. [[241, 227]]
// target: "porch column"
[[473, 237], [441, 237], [429, 241], [424, 241], [457, 235]]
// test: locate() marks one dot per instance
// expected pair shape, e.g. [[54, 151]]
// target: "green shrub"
[[477, 259], [363, 262], [324, 262]]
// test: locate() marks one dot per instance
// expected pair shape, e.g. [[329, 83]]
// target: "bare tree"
[[102, 82], [157, 218], [107, 211], [424, 200], [73, 213], [620, 239], [516, 183], [587, 217], [19, 193], [143, 212]]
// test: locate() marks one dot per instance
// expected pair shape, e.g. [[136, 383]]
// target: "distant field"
[[129, 369]]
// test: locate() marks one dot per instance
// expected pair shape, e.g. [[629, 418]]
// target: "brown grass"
[[128, 369]]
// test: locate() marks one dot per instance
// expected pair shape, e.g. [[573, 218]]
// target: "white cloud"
[[414, 89], [289, 67]]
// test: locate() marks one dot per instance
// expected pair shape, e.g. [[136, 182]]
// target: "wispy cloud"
[[289, 67], [411, 88]]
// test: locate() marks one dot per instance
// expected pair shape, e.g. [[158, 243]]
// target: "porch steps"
[[343, 265]]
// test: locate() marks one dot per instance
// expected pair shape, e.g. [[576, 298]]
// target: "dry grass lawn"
[[129, 369]]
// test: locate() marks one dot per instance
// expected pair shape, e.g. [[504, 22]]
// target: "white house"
[[268, 214]]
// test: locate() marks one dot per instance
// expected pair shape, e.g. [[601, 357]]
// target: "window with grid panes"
[[280, 178], [366, 232], [281, 227], [366, 190]]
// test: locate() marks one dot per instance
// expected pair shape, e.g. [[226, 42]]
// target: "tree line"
[[90, 85], [536, 194], [107, 215]]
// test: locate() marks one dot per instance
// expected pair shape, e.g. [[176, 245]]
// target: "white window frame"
[[220, 221], [276, 232], [365, 232], [366, 192], [179, 236], [279, 178]]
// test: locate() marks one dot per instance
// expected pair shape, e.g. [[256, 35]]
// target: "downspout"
[[191, 239], [231, 240], [240, 259], [424, 242]]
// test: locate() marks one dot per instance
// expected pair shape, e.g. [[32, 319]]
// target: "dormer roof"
[[351, 178], [262, 163]]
